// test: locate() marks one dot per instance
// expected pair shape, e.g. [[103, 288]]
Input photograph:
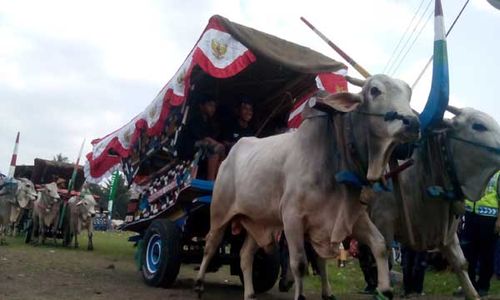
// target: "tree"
[[61, 158]]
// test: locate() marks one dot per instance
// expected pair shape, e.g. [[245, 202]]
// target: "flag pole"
[[112, 195], [13, 160], [71, 184], [344, 55]]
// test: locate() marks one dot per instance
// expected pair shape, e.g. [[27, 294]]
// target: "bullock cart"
[[47, 171], [170, 196]]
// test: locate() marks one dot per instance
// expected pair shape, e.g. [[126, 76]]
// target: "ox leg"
[[326, 289], [2, 235], [76, 240], [90, 245], [41, 231], [456, 259], [247, 254], [294, 233], [366, 232], [34, 228], [213, 239]]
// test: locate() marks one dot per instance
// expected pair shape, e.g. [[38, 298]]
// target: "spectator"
[[240, 127], [497, 260], [414, 264], [200, 131], [479, 236]]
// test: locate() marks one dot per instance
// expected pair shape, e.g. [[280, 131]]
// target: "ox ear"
[[344, 102], [454, 110], [79, 203]]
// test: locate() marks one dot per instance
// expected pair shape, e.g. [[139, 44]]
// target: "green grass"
[[349, 280], [113, 245]]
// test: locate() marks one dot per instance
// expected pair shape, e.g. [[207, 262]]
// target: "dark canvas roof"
[[296, 57]]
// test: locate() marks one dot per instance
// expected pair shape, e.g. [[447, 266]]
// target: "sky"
[[71, 70]]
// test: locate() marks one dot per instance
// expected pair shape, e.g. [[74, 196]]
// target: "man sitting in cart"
[[200, 132], [241, 126]]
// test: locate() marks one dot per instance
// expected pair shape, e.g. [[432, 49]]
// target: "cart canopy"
[[228, 60]]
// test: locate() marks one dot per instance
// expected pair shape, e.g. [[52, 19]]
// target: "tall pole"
[[71, 184], [112, 194], [344, 55], [13, 160]]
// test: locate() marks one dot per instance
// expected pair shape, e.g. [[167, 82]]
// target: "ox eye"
[[374, 91], [479, 127]]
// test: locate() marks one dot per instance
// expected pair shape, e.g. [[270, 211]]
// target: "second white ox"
[[287, 182], [81, 216], [471, 145]]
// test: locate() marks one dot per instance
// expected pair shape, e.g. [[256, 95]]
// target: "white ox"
[[287, 182], [423, 222], [45, 211], [13, 199], [81, 216]]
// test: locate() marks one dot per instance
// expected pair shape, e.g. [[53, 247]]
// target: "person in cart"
[[241, 126], [200, 131]]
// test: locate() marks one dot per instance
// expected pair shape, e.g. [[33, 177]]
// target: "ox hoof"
[[285, 285], [251, 297], [198, 288], [331, 297], [90, 248], [385, 295], [301, 297]]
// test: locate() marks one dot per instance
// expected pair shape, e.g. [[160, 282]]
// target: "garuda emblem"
[[218, 49], [152, 112], [180, 78]]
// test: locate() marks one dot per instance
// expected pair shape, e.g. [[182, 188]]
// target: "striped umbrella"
[[440, 88]]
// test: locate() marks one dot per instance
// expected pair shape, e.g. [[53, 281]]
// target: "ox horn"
[[454, 110], [439, 95], [355, 81]]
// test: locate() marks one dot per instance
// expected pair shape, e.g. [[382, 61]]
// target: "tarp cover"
[[223, 50], [290, 55]]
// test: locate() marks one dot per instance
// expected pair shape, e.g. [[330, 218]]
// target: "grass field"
[[112, 266]]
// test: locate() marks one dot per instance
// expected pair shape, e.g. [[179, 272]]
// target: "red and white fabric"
[[330, 82], [217, 53]]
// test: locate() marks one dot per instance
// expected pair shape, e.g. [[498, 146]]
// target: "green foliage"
[[121, 199], [61, 158]]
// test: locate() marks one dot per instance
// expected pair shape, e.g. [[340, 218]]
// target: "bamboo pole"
[[344, 55]]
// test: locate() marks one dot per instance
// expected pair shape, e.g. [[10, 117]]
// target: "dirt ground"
[[44, 273], [51, 272]]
